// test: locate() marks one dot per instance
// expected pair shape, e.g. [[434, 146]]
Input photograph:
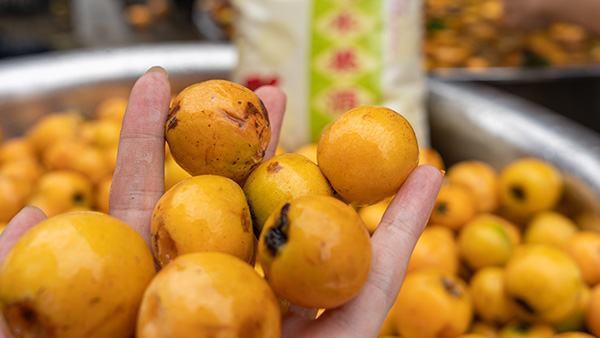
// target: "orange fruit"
[[584, 248], [102, 195], [174, 173], [549, 227], [436, 248], [372, 214], [13, 194], [68, 275], [485, 329], [208, 294], [53, 128], [101, 133], [530, 185], [431, 302], [544, 283], [77, 156], [218, 127], [59, 191], [454, 206], [17, 148], [26, 169], [281, 179], [480, 178], [517, 329], [315, 252], [308, 150], [111, 108], [367, 153], [487, 240], [592, 315], [573, 335], [199, 214], [490, 301], [428, 155]]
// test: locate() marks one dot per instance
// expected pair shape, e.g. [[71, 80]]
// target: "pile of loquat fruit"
[[501, 256]]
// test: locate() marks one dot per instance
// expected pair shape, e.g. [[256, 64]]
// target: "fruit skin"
[[431, 156], [218, 127], [549, 227], [13, 195], [576, 320], [574, 334], [489, 298], [281, 179], [584, 248], [487, 240], [367, 153], [517, 329], [529, 185], [592, 315], [315, 252], [53, 128], [308, 150], [431, 304], [480, 178], [202, 213], [436, 248], [208, 294], [60, 191], [454, 206], [544, 282], [372, 214], [174, 173], [80, 274]]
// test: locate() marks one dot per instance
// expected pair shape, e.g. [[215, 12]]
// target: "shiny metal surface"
[[516, 75], [33, 86], [471, 121], [467, 121]]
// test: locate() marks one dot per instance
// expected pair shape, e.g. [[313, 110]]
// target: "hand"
[[138, 183]]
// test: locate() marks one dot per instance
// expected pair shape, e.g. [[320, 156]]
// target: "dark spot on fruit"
[[24, 320], [441, 208], [94, 300], [239, 102], [174, 109], [246, 221], [276, 237], [164, 246], [518, 193], [265, 112], [274, 167], [78, 198], [153, 306], [451, 286], [255, 124], [252, 327], [173, 122], [523, 304], [227, 114], [523, 327]]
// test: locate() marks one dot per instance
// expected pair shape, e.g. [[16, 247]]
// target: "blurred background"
[[554, 65]]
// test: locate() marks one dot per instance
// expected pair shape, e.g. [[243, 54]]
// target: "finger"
[[138, 180], [274, 100], [392, 243], [23, 221]]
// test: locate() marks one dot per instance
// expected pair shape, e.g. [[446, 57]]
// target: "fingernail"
[[158, 69]]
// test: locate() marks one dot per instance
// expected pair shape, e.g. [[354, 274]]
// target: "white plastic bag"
[[332, 55]]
